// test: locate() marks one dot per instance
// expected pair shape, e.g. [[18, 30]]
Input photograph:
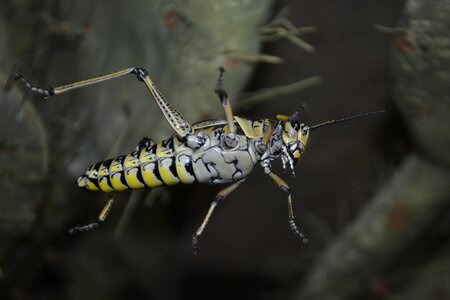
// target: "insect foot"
[[195, 238], [41, 92], [84, 228], [294, 228]]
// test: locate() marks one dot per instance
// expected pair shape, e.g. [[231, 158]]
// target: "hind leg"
[[100, 219]]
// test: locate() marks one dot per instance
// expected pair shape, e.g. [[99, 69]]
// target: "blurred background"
[[372, 195]]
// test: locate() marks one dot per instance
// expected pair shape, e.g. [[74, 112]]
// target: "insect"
[[214, 152]]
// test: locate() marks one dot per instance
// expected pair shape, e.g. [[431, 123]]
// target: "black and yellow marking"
[[103, 175], [168, 162], [215, 151], [134, 178], [92, 184], [167, 170], [148, 154], [165, 148], [150, 174], [252, 129], [132, 171], [184, 168]]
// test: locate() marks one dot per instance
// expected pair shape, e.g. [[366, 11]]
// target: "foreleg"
[[282, 185]]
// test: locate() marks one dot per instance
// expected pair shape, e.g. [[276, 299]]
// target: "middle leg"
[[219, 197], [230, 139]]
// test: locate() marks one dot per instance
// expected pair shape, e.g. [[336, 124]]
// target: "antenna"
[[331, 122]]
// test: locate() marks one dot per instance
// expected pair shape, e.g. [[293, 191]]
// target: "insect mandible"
[[214, 152]]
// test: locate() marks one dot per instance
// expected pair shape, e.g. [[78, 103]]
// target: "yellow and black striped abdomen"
[[166, 163]]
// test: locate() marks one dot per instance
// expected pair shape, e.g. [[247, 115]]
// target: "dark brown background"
[[248, 250]]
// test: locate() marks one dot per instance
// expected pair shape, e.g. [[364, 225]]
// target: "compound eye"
[[296, 125]]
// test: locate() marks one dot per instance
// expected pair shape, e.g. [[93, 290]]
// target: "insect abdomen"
[[157, 165]]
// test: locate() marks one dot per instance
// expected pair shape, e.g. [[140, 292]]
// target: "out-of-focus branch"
[[268, 94], [421, 69], [403, 209], [419, 193], [431, 281]]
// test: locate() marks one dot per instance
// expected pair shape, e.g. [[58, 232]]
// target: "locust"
[[213, 151]]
